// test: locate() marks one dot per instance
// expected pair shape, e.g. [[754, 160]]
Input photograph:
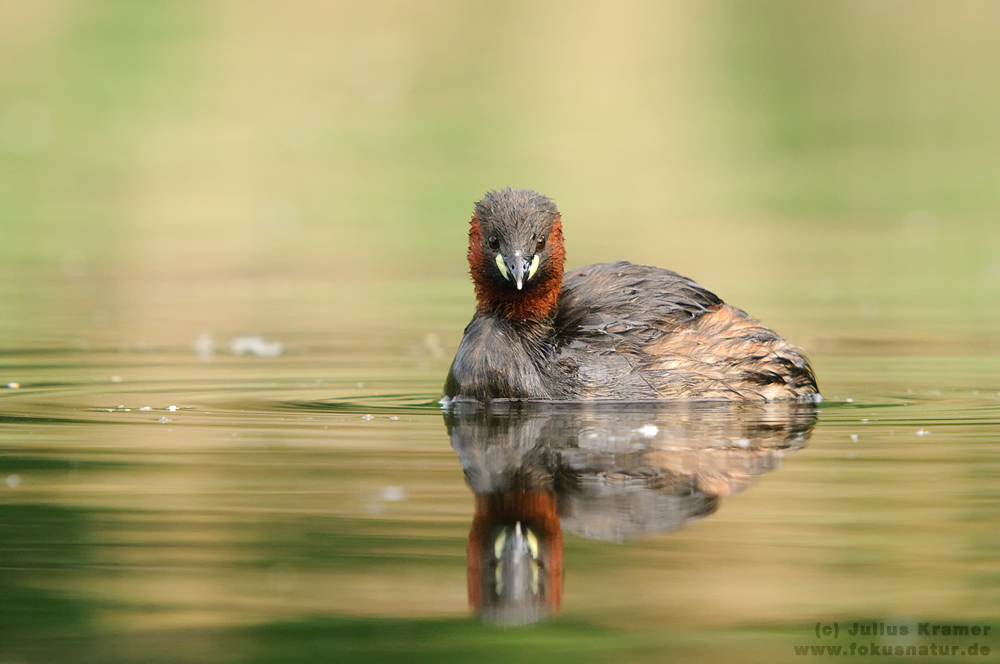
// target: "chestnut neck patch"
[[540, 294]]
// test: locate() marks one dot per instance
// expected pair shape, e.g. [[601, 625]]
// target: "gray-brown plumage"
[[611, 331]]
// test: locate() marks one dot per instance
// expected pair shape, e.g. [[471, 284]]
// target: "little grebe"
[[612, 331]]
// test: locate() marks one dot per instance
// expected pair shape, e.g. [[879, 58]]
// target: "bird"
[[604, 332]]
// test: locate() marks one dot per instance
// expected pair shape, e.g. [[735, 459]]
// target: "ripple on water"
[[219, 490]]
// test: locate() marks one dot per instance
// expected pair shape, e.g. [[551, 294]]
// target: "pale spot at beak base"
[[503, 267]]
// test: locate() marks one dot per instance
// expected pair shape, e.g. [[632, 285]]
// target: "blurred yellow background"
[[839, 154], [351, 139]]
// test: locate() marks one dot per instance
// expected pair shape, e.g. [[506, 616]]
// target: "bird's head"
[[516, 253]]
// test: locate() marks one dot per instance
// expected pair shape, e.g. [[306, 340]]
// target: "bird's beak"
[[518, 268]]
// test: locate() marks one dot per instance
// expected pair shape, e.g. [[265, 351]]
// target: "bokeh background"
[[817, 163], [176, 173]]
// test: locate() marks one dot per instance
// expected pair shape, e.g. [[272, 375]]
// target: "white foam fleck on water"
[[393, 493], [648, 431], [13, 481], [172, 409], [854, 437], [742, 442], [163, 420], [145, 409], [367, 417], [255, 345], [922, 432], [204, 345], [394, 418]]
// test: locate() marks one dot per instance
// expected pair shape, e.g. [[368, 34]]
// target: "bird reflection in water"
[[604, 471]]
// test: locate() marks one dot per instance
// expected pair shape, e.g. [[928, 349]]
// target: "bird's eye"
[[541, 244], [494, 243]]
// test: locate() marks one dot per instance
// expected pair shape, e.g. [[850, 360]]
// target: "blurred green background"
[[801, 142]]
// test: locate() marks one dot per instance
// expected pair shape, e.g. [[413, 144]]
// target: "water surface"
[[190, 503]]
